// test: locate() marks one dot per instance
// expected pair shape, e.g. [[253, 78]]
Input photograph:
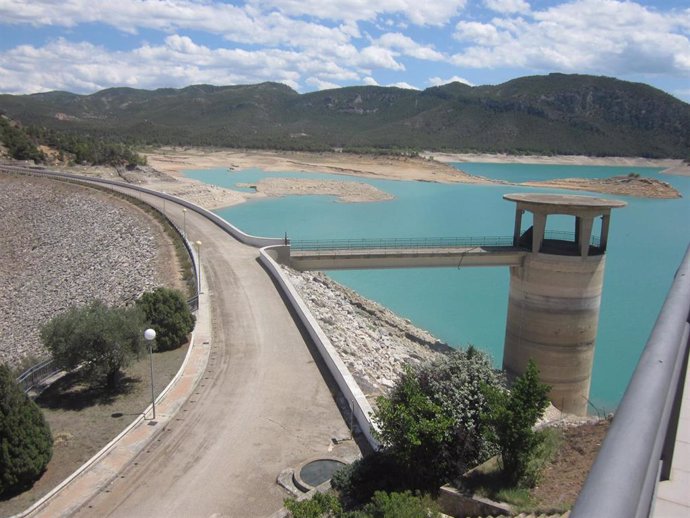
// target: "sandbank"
[[349, 192], [670, 165]]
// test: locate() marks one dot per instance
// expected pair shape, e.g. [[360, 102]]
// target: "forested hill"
[[564, 114]]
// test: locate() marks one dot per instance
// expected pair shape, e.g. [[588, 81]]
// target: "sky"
[[83, 46]]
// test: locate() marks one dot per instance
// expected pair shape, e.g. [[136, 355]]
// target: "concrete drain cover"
[[316, 472]]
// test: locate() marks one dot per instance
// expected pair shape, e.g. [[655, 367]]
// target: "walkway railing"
[[36, 374], [400, 243], [638, 450], [420, 242]]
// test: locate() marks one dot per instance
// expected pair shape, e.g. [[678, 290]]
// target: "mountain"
[[558, 113]]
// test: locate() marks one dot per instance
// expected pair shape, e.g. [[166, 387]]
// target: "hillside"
[[554, 114]]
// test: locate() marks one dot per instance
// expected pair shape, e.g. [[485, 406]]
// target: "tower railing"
[[638, 450]]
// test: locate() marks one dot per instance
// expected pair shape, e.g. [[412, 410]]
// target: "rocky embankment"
[[374, 342], [64, 246]]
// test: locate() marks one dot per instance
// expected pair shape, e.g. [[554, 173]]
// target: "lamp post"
[[150, 335], [198, 258], [184, 223]]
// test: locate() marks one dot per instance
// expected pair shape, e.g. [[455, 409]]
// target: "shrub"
[[321, 504], [169, 315], [98, 339], [431, 422], [510, 419], [26, 444], [378, 471], [400, 505]]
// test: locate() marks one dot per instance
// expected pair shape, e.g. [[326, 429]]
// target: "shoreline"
[[429, 167]]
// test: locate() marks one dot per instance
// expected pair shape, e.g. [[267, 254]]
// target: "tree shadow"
[[72, 392]]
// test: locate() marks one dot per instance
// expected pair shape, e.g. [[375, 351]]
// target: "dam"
[[556, 280]]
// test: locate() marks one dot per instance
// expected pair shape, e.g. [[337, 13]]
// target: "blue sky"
[[86, 45]]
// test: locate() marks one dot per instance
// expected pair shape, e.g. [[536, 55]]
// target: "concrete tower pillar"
[[553, 307]]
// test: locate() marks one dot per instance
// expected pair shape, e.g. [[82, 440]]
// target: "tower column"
[[553, 306]]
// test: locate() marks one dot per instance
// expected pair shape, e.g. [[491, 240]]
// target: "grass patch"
[[84, 419]]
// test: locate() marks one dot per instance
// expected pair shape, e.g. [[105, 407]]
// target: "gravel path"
[[63, 245]]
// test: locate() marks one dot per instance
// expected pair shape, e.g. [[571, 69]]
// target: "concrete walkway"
[[673, 496], [261, 405]]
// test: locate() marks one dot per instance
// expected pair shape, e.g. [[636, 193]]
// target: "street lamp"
[[198, 258], [150, 336], [184, 223]]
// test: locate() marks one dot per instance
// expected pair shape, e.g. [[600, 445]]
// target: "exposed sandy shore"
[[350, 192], [429, 168], [173, 161], [671, 166]]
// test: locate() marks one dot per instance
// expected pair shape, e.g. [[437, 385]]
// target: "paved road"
[[262, 406]]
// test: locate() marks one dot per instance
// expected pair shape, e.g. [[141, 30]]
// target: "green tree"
[[98, 339], [510, 419], [169, 315], [413, 427], [26, 444]]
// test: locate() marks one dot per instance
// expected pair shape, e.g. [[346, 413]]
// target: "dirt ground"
[[563, 477]]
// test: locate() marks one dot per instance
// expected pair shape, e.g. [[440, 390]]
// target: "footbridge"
[[443, 252]]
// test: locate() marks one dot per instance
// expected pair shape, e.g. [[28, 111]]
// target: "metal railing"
[[638, 450], [36, 374], [400, 243], [414, 243]]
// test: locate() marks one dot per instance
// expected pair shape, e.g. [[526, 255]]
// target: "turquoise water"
[[647, 241]]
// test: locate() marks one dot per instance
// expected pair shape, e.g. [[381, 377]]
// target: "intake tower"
[[553, 307]]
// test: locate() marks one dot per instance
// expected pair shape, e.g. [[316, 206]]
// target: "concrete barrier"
[[360, 407]]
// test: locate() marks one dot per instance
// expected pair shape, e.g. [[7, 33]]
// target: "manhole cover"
[[319, 471]]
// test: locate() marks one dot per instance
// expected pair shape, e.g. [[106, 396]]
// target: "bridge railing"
[[400, 243], [412, 243], [638, 450]]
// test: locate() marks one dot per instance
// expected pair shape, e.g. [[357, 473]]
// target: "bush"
[[169, 315], [98, 339], [400, 505], [510, 419], [379, 471], [26, 444], [321, 504], [431, 422]]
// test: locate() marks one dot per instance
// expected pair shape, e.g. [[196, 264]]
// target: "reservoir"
[[464, 306]]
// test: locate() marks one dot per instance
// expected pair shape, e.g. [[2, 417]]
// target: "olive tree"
[[26, 444], [169, 315], [100, 340]]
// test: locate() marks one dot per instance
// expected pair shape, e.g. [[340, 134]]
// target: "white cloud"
[[242, 24], [408, 47], [321, 85], [484, 34], [595, 36], [84, 67], [437, 81], [508, 6], [430, 13], [370, 81], [374, 57]]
